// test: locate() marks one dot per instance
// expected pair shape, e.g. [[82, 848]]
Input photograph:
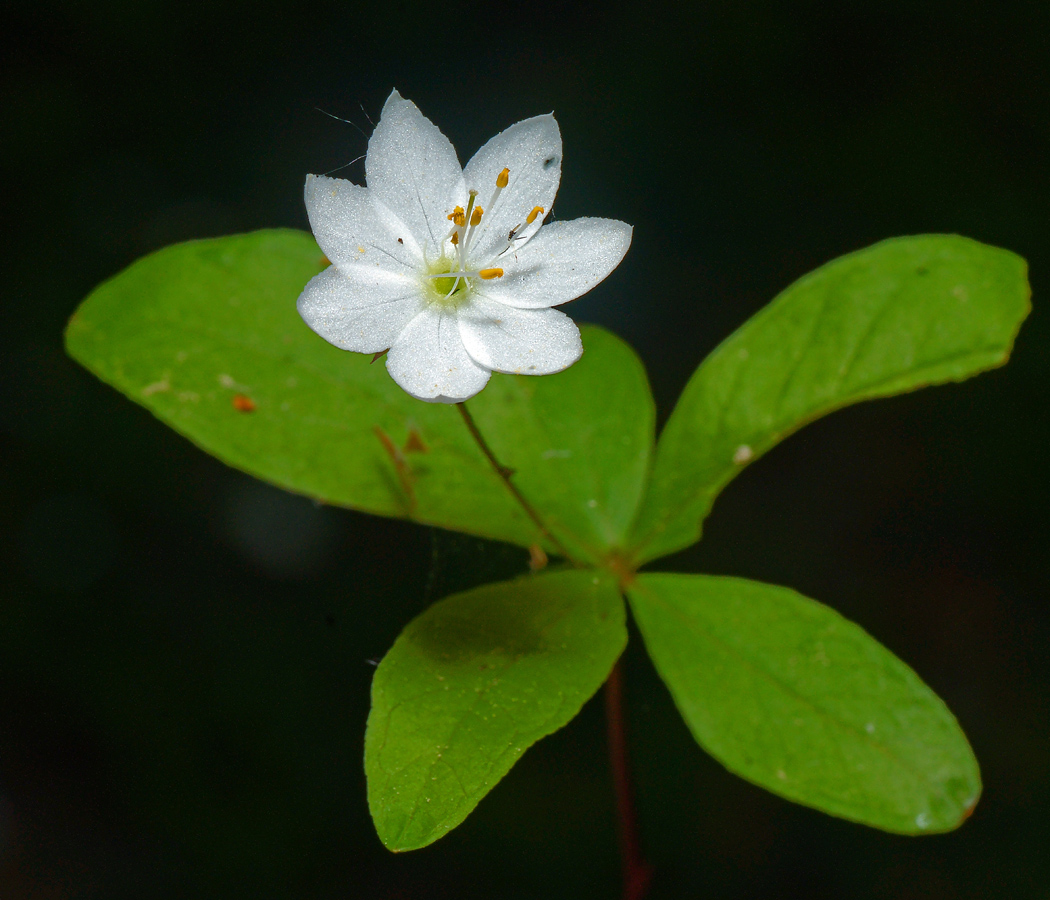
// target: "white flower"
[[453, 269]]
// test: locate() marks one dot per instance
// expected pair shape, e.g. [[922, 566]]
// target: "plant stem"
[[636, 871], [505, 474]]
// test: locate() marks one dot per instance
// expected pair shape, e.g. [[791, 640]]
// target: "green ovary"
[[441, 288]]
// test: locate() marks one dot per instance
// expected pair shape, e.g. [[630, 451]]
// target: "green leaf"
[[905, 313], [206, 335], [786, 693], [471, 684], [579, 442]]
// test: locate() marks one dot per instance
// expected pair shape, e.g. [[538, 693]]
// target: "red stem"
[[636, 871]]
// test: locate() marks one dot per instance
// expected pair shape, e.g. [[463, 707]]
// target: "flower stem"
[[636, 871], [505, 474]]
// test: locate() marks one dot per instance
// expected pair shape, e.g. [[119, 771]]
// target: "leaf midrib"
[[801, 698], [861, 393], [291, 356], [498, 759]]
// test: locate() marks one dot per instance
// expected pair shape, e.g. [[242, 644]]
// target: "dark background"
[[185, 654]]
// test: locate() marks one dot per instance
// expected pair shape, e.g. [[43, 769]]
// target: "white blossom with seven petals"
[[454, 269]]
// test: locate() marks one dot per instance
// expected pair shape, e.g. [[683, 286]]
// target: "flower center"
[[450, 279], [448, 287], [452, 285]]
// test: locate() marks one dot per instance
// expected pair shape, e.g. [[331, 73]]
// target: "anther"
[[475, 217], [502, 180], [531, 217], [457, 217], [489, 274], [455, 238]]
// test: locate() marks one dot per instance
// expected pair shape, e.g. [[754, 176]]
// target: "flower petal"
[[413, 169], [360, 309], [563, 261], [429, 361], [519, 341], [351, 230], [531, 149]]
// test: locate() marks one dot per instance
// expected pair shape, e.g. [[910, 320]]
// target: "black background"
[[185, 653]]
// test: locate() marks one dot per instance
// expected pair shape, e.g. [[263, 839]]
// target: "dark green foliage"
[[779, 688]]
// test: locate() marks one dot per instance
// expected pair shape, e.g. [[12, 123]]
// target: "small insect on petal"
[[242, 403]]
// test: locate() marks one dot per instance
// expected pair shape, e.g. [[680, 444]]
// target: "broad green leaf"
[[905, 313], [205, 335], [471, 684], [786, 693], [580, 442]]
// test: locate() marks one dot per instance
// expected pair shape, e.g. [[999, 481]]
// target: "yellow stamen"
[[457, 217], [503, 178], [531, 217], [455, 238], [489, 274], [475, 217]]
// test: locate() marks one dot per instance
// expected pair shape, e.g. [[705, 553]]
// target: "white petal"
[[351, 230], [563, 261], [413, 169], [360, 309], [532, 151], [429, 361], [519, 341]]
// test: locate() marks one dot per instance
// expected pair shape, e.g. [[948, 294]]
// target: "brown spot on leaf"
[[401, 467], [243, 403], [414, 442]]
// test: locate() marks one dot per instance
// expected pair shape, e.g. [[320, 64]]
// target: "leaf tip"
[[397, 835], [969, 807]]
